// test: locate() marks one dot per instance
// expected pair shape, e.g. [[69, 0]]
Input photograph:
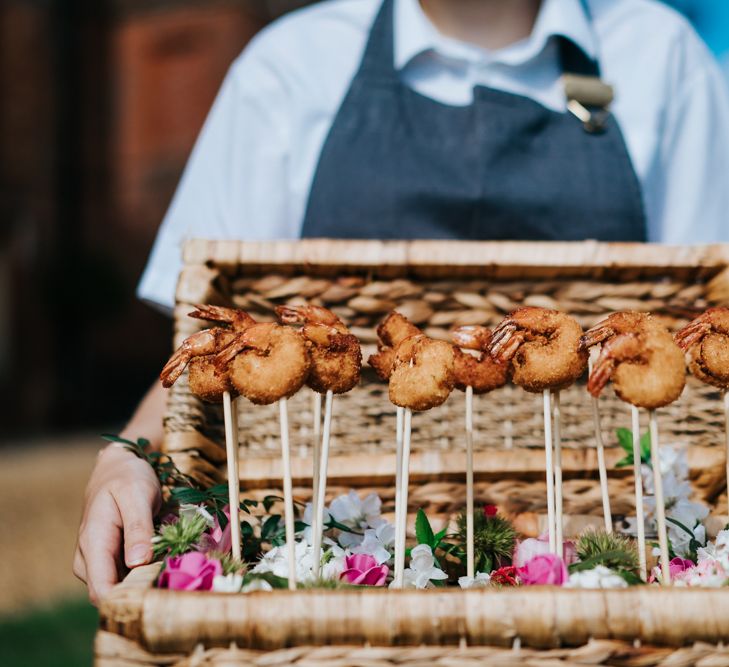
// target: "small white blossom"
[[378, 542], [229, 583], [351, 511], [677, 498], [598, 577], [276, 562], [308, 519], [189, 511], [256, 585], [481, 580], [422, 568]]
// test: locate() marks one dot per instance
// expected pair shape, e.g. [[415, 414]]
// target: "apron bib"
[[399, 165]]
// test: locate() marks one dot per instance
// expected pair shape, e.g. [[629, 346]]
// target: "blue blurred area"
[[711, 20]]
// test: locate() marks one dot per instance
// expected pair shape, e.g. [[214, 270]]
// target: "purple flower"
[[192, 571], [363, 570]]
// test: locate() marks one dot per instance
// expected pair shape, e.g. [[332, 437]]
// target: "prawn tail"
[[174, 367], [691, 334], [239, 319], [471, 337], [601, 373], [597, 334], [505, 341], [227, 354]]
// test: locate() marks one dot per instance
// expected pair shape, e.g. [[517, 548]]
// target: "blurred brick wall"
[[100, 104]]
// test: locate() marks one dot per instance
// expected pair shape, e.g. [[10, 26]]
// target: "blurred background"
[[100, 103]]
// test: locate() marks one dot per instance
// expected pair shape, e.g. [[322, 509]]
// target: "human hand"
[[122, 496]]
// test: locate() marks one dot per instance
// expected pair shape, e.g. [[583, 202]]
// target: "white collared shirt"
[[250, 172]]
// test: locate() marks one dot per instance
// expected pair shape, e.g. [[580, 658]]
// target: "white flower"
[[357, 514], [276, 562], [189, 511], [717, 551], [353, 512], [229, 583], [481, 580], [598, 577], [308, 519], [378, 542], [677, 498], [256, 585], [422, 568], [709, 573]]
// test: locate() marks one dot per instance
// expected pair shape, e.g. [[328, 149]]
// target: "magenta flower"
[[537, 546], [363, 570], [544, 570], [676, 567], [192, 571], [217, 539]]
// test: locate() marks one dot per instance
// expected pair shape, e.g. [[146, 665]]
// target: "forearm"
[[146, 422]]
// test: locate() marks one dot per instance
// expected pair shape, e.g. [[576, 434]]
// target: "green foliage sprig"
[[494, 539], [175, 539], [164, 467], [625, 440], [611, 550]]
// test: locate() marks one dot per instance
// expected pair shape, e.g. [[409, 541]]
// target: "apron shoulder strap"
[[378, 60]]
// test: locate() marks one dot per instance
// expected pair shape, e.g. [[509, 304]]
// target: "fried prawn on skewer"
[[542, 347], [641, 358], [266, 362], [336, 356], [705, 340], [482, 373], [198, 350], [420, 369]]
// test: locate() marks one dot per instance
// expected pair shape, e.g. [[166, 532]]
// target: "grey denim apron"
[[399, 165]]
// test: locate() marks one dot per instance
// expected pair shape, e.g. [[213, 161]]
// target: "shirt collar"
[[415, 34]]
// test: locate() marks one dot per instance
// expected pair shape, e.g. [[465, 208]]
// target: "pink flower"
[[218, 539], [537, 546], [544, 569], [363, 570], [676, 567], [490, 510], [192, 571]]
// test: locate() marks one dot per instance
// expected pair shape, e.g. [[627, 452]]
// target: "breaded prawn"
[[542, 347], [336, 356]]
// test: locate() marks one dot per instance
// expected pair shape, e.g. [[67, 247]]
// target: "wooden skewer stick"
[[550, 469], [400, 417], [230, 409], [315, 455], [404, 481], [321, 489], [726, 433], [639, 513], [660, 503], [288, 493], [601, 467], [470, 566], [558, 509]]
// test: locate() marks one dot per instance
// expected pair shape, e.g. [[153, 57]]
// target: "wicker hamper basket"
[[437, 284]]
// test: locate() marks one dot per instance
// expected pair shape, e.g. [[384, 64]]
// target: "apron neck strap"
[[575, 61], [378, 60]]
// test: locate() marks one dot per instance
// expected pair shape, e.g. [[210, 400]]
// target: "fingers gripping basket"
[[437, 285]]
